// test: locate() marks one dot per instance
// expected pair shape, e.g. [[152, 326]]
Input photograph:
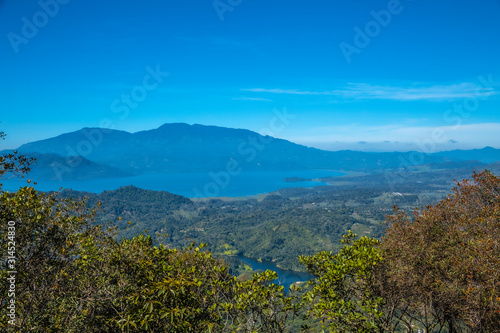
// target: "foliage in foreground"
[[446, 260], [74, 277], [342, 295], [435, 272]]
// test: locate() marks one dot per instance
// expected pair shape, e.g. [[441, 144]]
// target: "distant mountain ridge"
[[55, 167], [485, 155], [180, 147]]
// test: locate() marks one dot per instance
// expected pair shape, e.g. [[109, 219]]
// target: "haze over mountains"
[[105, 153]]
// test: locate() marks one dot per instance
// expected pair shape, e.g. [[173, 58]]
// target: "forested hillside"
[[277, 227]]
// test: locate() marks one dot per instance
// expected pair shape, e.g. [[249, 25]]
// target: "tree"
[[45, 235], [259, 305], [133, 286], [446, 259], [437, 271], [14, 164], [342, 294]]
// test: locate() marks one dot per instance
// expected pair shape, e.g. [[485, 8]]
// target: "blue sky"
[[364, 75]]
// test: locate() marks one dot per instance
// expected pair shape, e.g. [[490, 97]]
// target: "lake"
[[286, 277], [191, 185]]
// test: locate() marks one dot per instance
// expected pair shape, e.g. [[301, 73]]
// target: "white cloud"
[[364, 91]]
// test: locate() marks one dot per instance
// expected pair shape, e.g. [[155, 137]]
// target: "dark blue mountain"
[[51, 166], [188, 148]]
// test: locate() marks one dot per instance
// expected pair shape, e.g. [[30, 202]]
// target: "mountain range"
[[105, 153]]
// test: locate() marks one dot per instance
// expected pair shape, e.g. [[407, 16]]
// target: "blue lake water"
[[286, 277], [191, 185]]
